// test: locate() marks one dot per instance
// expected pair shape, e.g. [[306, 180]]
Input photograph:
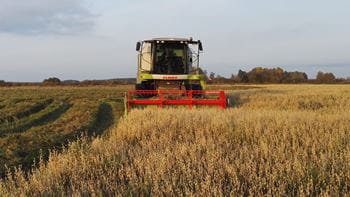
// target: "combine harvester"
[[169, 74]]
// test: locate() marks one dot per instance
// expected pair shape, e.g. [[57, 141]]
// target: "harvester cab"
[[168, 73], [169, 63]]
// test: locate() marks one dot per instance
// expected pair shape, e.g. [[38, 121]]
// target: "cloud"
[[35, 17]]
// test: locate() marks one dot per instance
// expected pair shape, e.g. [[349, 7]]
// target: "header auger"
[[168, 73]]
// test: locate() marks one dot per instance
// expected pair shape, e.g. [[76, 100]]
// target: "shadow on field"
[[104, 120]]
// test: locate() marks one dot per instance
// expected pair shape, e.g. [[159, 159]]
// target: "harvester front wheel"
[[194, 87], [144, 86]]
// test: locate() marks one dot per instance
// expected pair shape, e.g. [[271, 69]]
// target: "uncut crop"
[[277, 140]]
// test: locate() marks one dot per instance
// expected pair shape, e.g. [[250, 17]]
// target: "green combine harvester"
[[169, 63], [168, 73]]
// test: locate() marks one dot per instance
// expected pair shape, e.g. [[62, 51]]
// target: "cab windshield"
[[170, 58]]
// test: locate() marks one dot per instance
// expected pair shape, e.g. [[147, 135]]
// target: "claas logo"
[[169, 77]]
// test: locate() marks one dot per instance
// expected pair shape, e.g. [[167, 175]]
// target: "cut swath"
[[51, 112], [26, 112]]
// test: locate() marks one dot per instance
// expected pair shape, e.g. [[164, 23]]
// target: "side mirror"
[[200, 46], [138, 46]]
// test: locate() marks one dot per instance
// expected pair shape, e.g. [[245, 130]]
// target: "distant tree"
[[325, 77], [212, 76], [295, 77], [242, 76], [70, 82], [222, 80], [52, 81], [270, 75], [2, 83], [329, 77], [274, 75], [265, 75], [255, 75]]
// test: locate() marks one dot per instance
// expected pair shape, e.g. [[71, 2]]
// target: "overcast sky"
[[85, 39]]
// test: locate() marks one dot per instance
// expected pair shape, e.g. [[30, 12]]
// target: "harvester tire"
[[144, 86], [193, 87]]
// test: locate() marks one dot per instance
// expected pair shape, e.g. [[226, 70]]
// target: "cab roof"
[[188, 40]]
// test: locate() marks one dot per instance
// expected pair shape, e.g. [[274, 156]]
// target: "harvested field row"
[[51, 112], [10, 108], [62, 93], [23, 148], [16, 112]]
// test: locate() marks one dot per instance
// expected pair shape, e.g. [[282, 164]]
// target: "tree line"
[[273, 75], [54, 81]]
